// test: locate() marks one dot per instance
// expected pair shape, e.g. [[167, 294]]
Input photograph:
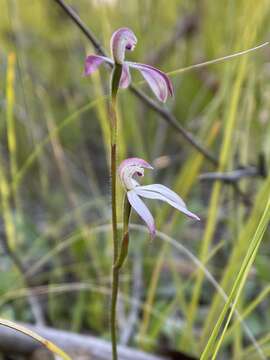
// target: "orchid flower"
[[135, 166], [124, 39]]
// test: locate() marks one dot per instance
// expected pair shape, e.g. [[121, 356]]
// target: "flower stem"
[[116, 75], [125, 238], [115, 283], [116, 269]]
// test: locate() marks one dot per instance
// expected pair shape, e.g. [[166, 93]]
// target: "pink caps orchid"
[[135, 166], [124, 39]]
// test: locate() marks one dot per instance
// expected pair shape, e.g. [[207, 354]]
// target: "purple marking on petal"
[[92, 62], [134, 161], [159, 82], [125, 77], [141, 209], [122, 39], [164, 190], [154, 195]]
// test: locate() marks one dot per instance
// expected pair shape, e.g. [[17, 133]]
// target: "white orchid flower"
[[135, 167]]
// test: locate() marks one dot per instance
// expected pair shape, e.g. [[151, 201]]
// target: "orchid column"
[[123, 39]]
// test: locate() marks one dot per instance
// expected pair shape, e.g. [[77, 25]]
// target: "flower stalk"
[[116, 75], [125, 238], [116, 272], [124, 40]]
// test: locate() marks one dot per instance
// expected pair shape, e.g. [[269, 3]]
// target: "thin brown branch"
[[172, 121], [230, 176], [78, 21]]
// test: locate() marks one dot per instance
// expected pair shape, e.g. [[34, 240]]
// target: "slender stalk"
[[115, 283], [116, 75], [125, 238], [116, 269], [113, 200]]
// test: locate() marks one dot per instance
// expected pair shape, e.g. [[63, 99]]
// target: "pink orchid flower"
[[135, 166], [124, 39]]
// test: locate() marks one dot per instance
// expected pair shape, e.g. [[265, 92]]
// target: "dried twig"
[[233, 177], [230, 176]]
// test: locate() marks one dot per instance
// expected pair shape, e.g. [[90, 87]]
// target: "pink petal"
[[162, 195], [122, 39], [138, 205], [92, 62], [159, 82], [125, 77]]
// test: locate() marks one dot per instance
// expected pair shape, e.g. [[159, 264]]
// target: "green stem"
[[125, 239], [116, 75], [116, 269], [115, 283]]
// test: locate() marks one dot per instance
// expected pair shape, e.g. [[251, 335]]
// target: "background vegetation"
[[54, 182]]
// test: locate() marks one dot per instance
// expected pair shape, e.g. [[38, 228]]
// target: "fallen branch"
[[78, 346]]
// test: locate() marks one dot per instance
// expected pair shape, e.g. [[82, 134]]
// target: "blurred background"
[[56, 247]]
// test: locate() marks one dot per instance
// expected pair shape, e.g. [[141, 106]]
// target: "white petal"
[[164, 190], [142, 210], [154, 195]]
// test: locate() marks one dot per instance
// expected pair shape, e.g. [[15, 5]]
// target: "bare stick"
[[230, 176], [81, 346], [23, 330]]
